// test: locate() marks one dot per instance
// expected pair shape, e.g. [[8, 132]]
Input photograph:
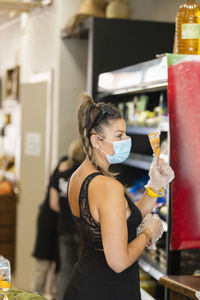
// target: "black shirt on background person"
[[46, 243], [60, 184], [68, 240]]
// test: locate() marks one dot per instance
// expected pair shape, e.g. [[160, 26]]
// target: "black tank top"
[[89, 228]]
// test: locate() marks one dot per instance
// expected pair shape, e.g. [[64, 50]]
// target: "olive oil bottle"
[[188, 28]]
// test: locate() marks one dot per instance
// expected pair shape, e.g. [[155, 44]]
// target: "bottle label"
[[191, 31]]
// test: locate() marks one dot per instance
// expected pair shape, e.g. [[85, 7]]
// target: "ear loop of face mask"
[[101, 138]]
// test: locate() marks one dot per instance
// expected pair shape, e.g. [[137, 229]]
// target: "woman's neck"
[[100, 159], [98, 162]]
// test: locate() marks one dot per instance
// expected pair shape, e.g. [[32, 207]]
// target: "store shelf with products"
[[142, 88], [151, 268], [139, 161], [141, 78], [11, 176], [81, 32], [147, 130], [145, 295], [10, 116]]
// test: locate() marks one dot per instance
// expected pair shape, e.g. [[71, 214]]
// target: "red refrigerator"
[[184, 113]]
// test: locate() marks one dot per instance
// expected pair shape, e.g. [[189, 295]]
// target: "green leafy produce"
[[13, 294]]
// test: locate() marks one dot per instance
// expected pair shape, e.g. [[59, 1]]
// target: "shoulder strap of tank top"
[[88, 179], [84, 187]]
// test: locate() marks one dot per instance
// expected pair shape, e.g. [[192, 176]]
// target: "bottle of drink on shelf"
[[198, 21], [5, 271], [187, 28]]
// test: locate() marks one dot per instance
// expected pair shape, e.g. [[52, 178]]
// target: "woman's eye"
[[119, 136]]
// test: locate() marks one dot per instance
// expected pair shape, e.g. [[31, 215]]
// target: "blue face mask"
[[121, 149]]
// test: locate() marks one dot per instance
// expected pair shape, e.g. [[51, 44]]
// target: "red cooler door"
[[184, 113]]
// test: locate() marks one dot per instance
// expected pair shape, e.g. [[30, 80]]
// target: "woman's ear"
[[94, 141]]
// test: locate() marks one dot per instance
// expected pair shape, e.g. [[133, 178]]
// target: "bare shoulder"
[[106, 189], [107, 183]]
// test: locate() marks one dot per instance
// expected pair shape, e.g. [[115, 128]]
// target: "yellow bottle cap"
[[5, 284]]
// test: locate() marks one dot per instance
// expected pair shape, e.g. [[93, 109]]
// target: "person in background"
[[104, 213], [67, 234], [45, 251]]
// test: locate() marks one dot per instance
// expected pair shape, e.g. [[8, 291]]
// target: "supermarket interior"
[[136, 61]]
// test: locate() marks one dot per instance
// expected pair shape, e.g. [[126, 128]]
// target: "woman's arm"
[[160, 174], [54, 200], [109, 198], [147, 203]]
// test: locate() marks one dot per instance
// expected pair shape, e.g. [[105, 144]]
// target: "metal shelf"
[[140, 89], [81, 32], [133, 90], [8, 175], [155, 272], [165, 225], [140, 161], [146, 130], [145, 295], [143, 77]]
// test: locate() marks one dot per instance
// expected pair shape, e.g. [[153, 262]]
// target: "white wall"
[[73, 70], [36, 51], [155, 10]]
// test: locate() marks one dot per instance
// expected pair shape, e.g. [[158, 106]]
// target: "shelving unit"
[[146, 130], [8, 175], [148, 267], [117, 43], [139, 161]]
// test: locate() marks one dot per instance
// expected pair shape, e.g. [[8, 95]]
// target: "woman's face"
[[115, 131]]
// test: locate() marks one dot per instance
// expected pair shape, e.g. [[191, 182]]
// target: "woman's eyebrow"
[[120, 131]]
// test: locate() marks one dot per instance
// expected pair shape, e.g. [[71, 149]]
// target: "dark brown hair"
[[91, 118]]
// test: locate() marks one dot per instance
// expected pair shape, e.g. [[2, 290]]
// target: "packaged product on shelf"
[[140, 109], [121, 108], [154, 139], [137, 190], [130, 113], [5, 272]]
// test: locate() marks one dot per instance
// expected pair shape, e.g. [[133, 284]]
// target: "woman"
[[104, 214], [45, 251]]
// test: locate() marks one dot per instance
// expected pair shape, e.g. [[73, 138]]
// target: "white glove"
[[154, 224], [160, 174]]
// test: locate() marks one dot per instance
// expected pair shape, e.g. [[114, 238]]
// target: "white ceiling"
[[11, 9]]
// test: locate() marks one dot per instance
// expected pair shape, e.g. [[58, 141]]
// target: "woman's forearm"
[[134, 250], [146, 203]]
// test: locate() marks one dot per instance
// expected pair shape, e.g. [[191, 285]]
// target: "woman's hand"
[[153, 225], [160, 174]]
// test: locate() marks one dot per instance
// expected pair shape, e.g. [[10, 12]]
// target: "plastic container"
[[187, 28], [5, 271]]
